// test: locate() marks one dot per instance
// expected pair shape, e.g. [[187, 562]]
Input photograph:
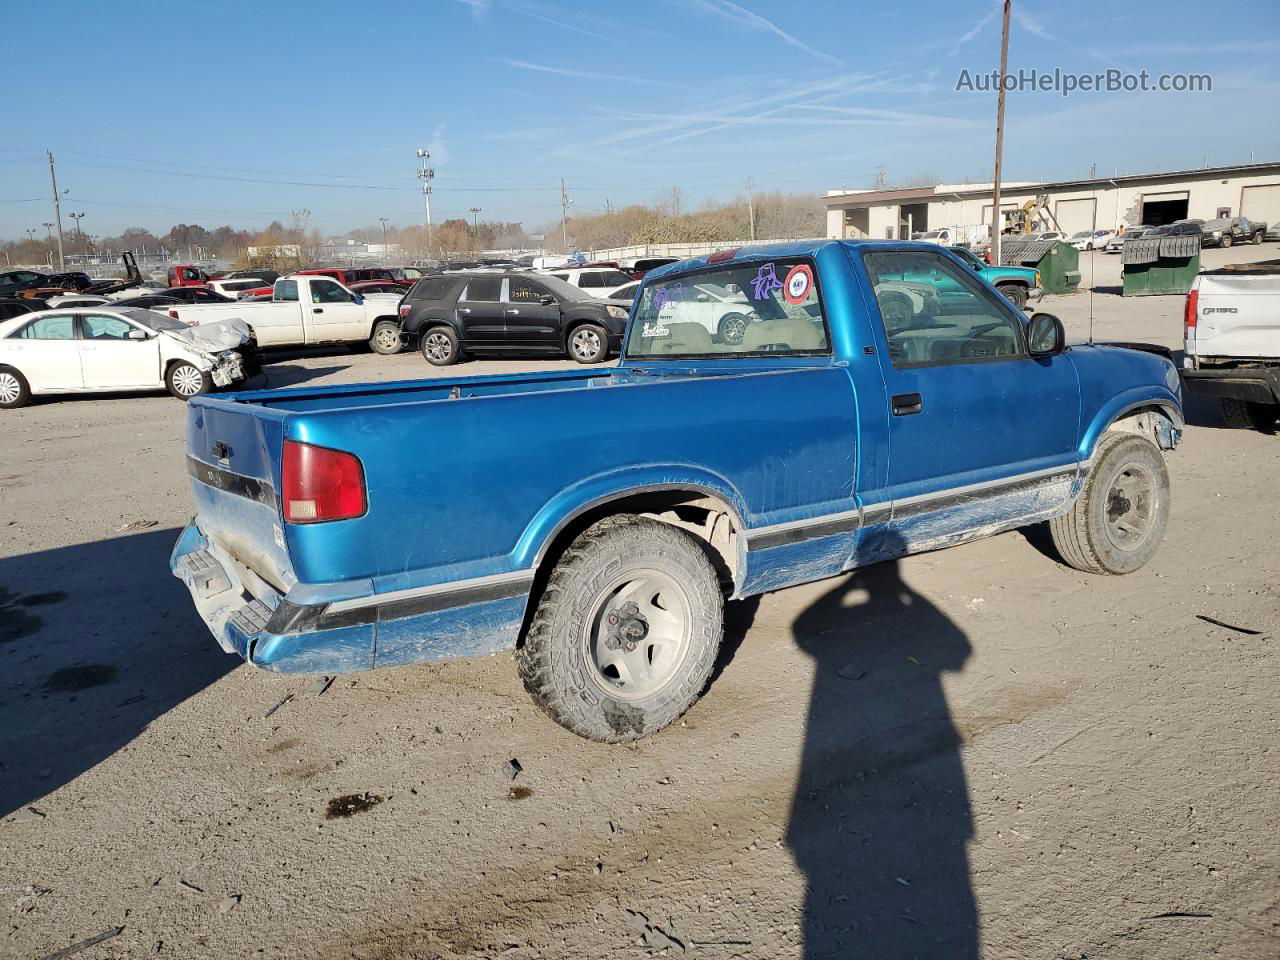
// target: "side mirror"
[[546, 300], [1045, 335], [357, 299], [136, 334]]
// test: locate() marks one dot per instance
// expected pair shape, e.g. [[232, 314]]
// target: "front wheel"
[[1119, 518], [626, 631], [385, 338], [1014, 293], [1257, 237], [14, 390], [186, 380], [1227, 240], [588, 343], [733, 328], [440, 347]]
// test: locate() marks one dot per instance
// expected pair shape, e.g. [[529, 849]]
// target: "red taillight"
[[319, 484], [1189, 311], [173, 314], [720, 256], [404, 311]]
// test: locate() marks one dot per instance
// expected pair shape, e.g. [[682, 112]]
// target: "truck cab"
[[186, 276]]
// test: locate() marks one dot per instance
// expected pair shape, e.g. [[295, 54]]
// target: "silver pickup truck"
[[1232, 336]]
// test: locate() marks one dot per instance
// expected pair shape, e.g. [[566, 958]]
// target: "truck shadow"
[[881, 820], [96, 641]]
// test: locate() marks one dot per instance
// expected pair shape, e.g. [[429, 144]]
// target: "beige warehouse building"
[[1105, 203]]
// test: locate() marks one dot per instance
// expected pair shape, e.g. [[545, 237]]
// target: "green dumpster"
[[1058, 262], [1160, 265]]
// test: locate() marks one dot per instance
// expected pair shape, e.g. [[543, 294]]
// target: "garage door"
[[1261, 203], [1075, 215]]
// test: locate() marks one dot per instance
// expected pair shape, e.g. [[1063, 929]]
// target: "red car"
[[379, 286], [187, 276], [349, 275]]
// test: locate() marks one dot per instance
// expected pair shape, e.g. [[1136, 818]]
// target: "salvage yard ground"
[[972, 752]]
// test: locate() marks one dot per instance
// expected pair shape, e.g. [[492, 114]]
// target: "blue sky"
[[164, 111]]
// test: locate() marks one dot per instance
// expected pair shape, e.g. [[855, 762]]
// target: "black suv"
[[509, 312]]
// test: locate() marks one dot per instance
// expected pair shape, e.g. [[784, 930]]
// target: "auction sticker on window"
[[798, 284]]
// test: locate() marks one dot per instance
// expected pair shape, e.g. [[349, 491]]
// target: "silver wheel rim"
[[1131, 507], [638, 635], [387, 339], [187, 380], [735, 329], [586, 344], [10, 389], [438, 346]]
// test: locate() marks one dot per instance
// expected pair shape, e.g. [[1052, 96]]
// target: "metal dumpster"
[[1160, 265], [1058, 262]]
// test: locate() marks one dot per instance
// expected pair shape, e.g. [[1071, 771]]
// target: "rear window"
[[433, 288], [752, 308]]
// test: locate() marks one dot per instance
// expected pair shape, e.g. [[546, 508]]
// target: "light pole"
[[48, 229], [997, 220], [384, 234], [475, 221], [77, 217], [425, 173]]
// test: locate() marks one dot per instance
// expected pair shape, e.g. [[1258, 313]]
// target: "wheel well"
[[711, 521], [1152, 422], [1012, 282], [574, 324], [377, 320]]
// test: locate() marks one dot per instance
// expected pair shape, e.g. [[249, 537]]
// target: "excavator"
[[1034, 215]]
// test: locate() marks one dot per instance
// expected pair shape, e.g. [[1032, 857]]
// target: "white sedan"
[[1091, 239], [91, 349]]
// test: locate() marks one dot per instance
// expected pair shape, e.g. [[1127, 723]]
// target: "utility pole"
[[425, 173], [564, 217], [475, 220], [996, 218], [751, 206], [384, 234], [57, 211]]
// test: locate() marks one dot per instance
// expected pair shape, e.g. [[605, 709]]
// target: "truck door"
[[978, 430], [530, 322], [335, 316]]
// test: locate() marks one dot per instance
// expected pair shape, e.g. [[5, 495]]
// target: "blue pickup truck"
[[596, 521]]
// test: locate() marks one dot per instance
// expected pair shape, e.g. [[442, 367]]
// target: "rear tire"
[[186, 380], [1226, 240], [1119, 518], [1245, 415], [625, 634], [440, 346], [588, 343], [14, 389], [1257, 237], [733, 328], [1014, 293], [385, 339]]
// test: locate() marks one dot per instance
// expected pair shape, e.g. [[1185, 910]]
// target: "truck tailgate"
[[1238, 316]]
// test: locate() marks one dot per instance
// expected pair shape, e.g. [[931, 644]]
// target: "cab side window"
[[57, 327], [922, 329], [325, 291], [287, 291]]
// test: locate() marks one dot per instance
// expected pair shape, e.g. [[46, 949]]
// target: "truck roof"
[[771, 251]]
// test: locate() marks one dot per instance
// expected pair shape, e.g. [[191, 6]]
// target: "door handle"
[[464, 309], [513, 313], [317, 310], [905, 404]]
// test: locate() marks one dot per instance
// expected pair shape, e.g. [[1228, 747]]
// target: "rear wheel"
[[1257, 237], [1118, 520], [440, 347], [1227, 240], [588, 343], [626, 631], [186, 380], [733, 327], [14, 391], [1244, 415], [385, 338], [1014, 293]]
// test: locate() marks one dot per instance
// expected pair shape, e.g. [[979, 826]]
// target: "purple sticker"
[[765, 282]]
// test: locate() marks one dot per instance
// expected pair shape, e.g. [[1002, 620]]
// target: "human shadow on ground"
[[97, 640], [881, 816]]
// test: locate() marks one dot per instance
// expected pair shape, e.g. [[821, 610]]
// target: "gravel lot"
[[977, 752]]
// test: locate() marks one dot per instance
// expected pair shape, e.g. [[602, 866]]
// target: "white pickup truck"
[[1232, 338], [306, 310]]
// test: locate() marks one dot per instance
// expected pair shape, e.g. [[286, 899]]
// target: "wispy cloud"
[[479, 8], [566, 26], [583, 74], [1030, 24], [753, 21], [974, 30]]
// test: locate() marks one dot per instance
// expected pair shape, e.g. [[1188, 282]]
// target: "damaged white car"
[[92, 349]]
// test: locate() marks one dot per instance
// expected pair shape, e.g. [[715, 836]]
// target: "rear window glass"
[[752, 308], [483, 290], [432, 289]]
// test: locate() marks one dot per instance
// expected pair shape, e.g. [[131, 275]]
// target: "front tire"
[[733, 328], [1257, 238], [1119, 518], [1014, 293], [1226, 240], [440, 347], [186, 380], [14, 389], [625, 634], [588, 343], [385, 339], [1245, 415]]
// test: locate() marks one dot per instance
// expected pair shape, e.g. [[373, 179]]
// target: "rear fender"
[[599, 491]]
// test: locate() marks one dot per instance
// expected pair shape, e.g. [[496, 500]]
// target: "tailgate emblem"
[[221, 450]]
